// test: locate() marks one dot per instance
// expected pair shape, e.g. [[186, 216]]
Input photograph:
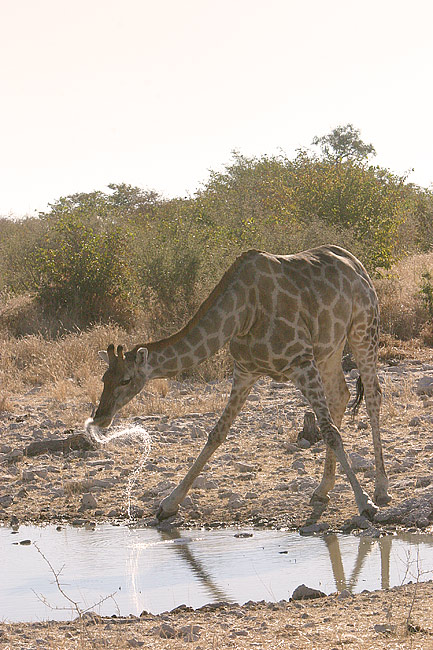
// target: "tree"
[[344, 143]]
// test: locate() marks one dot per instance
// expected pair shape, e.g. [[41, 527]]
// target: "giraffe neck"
[[201, 337]]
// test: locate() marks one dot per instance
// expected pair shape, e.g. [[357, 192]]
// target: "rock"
[[134, 643], [424, 386], [190, 633], [56, 492], [166, 631], [344, 594], [359, 463], [290, 447], [14, 456], [282, 486], [28, 475], [389, 516], [302, 484], [14, 522], [101, 463], [415, 422], [163, 488], [25, 542], [88, 502], [6, 500], [136, 512], [313, 529], [103, 483], [203, 483], [357, 521], [304, 593], [303, 444], [244, 467], [310, 431], [90, 618], [371, 532], [73, 442], [384, 629], [423, 481], [235, 504]]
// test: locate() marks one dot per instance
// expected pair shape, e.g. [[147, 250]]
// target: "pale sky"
[[157, 93]]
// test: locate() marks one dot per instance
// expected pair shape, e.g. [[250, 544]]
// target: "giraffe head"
[[124, 378]]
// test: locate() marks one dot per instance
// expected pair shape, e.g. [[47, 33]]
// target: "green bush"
[[426, 292], [83, 274]]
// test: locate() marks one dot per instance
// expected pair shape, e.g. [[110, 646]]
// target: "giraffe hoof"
[[381, 499], [370, 510], [319, 499], [162, 514]]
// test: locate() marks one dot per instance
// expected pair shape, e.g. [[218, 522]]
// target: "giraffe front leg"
[[170, 505], [242, 384]]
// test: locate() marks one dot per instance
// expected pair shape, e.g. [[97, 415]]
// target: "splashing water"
[[133, 432]]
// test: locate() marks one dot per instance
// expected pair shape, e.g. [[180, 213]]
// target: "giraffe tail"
[[354, 406]]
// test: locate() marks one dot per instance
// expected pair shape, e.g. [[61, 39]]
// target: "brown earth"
[[396, 619], [259, 477]]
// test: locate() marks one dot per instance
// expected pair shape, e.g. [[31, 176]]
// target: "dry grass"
[[403, 314], [77, 487], [34, 361]]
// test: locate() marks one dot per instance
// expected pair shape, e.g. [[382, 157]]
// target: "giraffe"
[[287, 317]]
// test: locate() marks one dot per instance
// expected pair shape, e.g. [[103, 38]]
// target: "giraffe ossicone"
[[285, 316]]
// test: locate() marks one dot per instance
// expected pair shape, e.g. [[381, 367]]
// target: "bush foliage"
[[105, 256], [83, 272]]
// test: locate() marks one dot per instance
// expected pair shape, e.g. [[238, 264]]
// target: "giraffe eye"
[[125, 381]]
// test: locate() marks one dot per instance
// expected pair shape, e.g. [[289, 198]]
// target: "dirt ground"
[[260, 477], [367, 621]]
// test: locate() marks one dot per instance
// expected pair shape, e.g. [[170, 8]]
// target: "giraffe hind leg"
[[307, 378], [337, 396]]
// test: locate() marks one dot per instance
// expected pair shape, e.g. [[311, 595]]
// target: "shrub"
[[426, 292], [83, 274], [403, 311]]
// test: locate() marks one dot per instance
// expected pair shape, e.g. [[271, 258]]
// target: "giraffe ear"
[[102, 354], [141, 357]]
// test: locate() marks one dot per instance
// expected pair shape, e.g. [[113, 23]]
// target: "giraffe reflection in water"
[[334, 544], [366, 545]]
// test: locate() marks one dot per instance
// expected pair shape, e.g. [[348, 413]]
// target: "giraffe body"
[[288, 317]]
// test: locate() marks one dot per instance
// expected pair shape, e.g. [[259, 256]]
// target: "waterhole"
[[136, 569]]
